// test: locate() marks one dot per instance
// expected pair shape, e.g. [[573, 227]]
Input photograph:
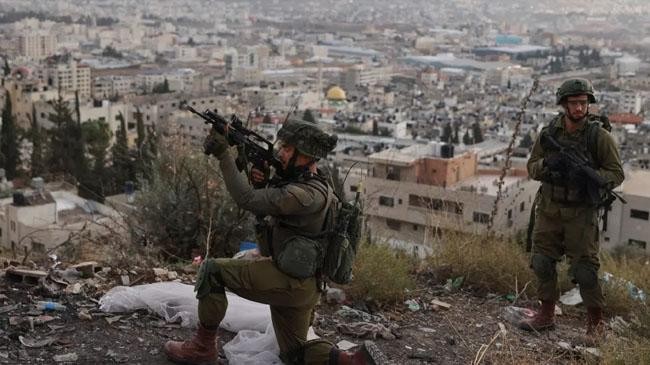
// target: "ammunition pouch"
[[299, 257], [564, 194]]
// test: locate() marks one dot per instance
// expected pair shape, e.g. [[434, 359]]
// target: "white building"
[[629, 224]]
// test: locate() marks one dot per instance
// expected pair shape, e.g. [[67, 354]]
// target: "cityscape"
[[424, 109]]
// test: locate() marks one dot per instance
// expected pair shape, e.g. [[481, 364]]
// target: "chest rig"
[[565, 187]]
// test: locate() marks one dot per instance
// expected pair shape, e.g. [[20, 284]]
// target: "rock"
[[117, 357], [126, 281], [426, 329], [71, 357], [160, 272], [87, 268], [172, 275], [112, 320], [73, 289], [34, 343], [422, 354], [84, 315]]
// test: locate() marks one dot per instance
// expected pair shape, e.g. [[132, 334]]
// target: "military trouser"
[[572, 232], [292, 303]]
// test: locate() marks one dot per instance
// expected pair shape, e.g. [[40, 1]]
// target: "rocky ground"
[[439, 325]]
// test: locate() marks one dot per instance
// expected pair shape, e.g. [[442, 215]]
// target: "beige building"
[[70, 77], [629, 224], [39, 220], [36, 45], [414, 195]]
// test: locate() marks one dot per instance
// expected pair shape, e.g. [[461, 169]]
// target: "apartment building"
[[415, 194], [37, 46], [629, 224]]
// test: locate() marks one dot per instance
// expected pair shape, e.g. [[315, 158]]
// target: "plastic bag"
[[515, 315], [253, 348], [176, 301]]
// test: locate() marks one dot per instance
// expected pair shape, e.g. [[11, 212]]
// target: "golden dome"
[[335, 93]]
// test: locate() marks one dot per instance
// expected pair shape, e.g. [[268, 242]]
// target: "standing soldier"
[[297, 204], [566, 221]]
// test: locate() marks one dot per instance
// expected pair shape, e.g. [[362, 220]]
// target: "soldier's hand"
[[259, 177], [555, 162], [215, 144]]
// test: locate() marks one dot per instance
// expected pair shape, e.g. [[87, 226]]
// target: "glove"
[[555, 162], [215, 144]]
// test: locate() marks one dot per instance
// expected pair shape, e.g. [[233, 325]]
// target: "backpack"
[[341, 239]]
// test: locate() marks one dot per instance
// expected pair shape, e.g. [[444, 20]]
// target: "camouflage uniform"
[[570, 226], [296, 205]]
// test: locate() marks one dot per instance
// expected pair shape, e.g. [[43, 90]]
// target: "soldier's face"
[[576, 107], [285, 152]]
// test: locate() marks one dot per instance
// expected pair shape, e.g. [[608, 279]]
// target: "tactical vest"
[[560, 187]]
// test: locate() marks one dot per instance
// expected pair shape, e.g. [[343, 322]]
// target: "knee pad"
[[586, 275], [544, 267]]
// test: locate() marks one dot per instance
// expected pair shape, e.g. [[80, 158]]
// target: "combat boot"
[[367, 354], [542, 320], [595, 324], [200, 350]]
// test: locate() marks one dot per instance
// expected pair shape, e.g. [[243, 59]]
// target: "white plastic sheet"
[[255, 343], [176, 302]]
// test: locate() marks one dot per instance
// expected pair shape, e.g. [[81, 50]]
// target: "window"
[[392, 173], [435, 204], [639, 214], [415, 228], [13, 226], [637, 243], [386, 201], [393, 224], [0, 232], [479, 217], [522, 206], [354, 188], [38, 247], [509, 213]]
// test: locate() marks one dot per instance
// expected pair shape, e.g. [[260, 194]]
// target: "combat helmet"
[[307, 138], [575, 86]]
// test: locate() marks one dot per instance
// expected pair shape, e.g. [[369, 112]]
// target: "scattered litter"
[[558, 310], [8, 308], [117, 357], [412, 305], [253, 347], [36, 343], [84, 315], [440, 304], [31, 277], [126, 281], [422, 354], [112, 320], [71, 357], [633, 291], [50, 306], [502, 329], [357, 315], [177, 302], [335, 295], [571, 297], [365, 330], [426, 329], [515, 315], [454, 284], [346, 345], [580, 350], [73, 289]]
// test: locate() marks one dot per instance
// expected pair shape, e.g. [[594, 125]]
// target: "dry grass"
[[626, 266], [380, 274], [492, 264]]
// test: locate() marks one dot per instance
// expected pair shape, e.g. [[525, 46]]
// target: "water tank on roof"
[[19, 199], [447, 151]]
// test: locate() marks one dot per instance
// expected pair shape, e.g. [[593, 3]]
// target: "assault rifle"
[[577, 162], [257, 149]]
